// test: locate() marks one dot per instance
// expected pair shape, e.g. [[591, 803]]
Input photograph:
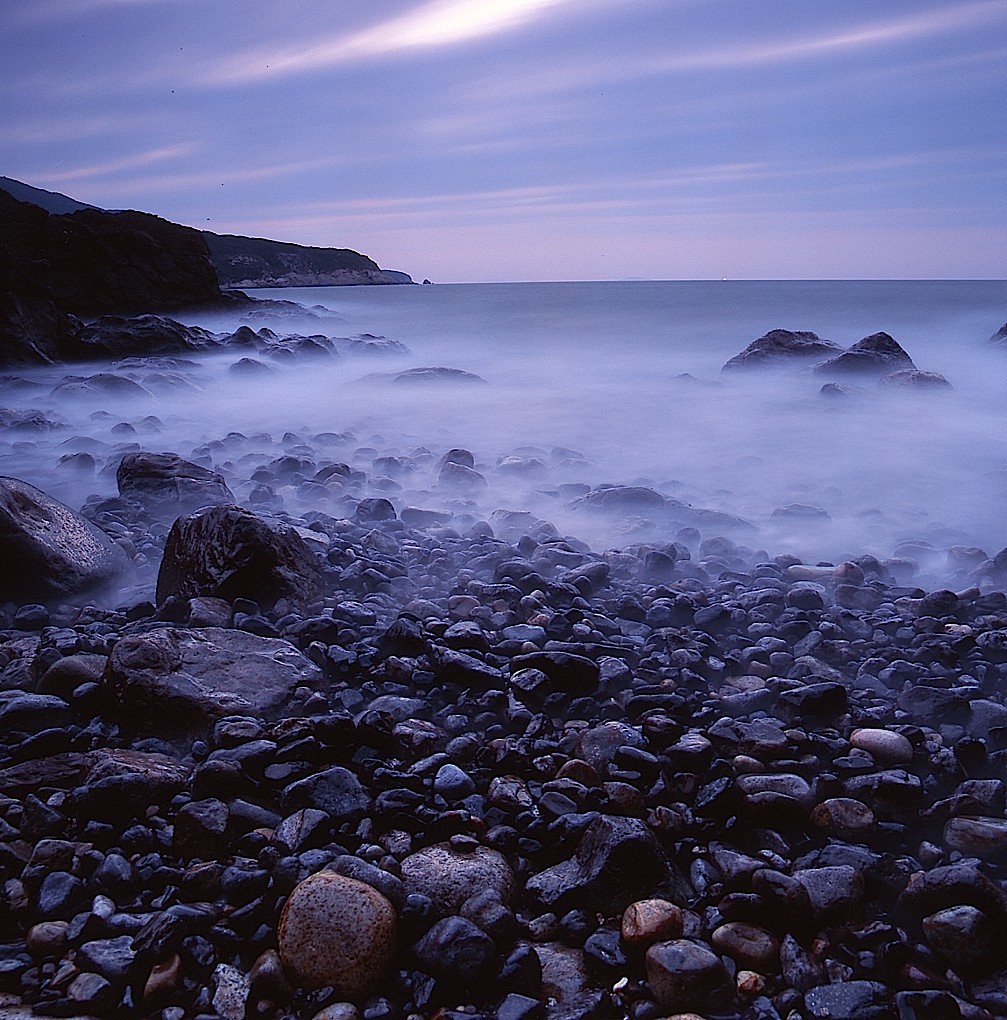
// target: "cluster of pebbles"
[[397, 763]]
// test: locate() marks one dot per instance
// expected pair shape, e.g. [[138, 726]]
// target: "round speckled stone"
[[884, 745], [336, 931], [449, 875]]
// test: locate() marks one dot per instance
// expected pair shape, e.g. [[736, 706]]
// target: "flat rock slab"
[[47, 550], [185, 679]]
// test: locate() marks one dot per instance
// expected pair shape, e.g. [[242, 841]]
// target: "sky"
[[491, 140]]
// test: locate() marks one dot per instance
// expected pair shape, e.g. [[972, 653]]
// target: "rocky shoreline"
[[392, 763]]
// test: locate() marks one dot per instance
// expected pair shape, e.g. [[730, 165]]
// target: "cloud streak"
[[435, 23]]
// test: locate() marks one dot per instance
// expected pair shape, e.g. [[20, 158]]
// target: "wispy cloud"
[[435, 23], [116, 166]]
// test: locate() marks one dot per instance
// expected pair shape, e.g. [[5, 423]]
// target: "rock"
[[171, 679], [617, 860], [456, 949], [747, 944], [835, 892], [683, 973], [164, 482], [850, 1000], [450, 875], [910, 379], [973, 836], [90, 262], [229, 552], [884, 746], [649, 921], [412, 376], [1000, 336], [336, 791], [335, 931], [877, 354], [782, 346], [48, 551], [963, 935], [116, 336], [231, 989]]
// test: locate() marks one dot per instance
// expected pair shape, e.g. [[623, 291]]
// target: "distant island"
[[248, 262]]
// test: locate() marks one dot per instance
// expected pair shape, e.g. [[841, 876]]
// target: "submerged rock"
[[911, 379], [48, 551]]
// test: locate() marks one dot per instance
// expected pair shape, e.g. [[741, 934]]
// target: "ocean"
[[581, 385]]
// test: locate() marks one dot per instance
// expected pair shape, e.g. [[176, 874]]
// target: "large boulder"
[[877, 354], [118, 336], [229, 552], [1000, 336], [173, 678], [166, 482], [47, 550], [781, 347]]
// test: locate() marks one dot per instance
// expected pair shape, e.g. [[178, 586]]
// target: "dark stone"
[[229, 552], [166, 482], [876, 355], [455, 948], [336, 791], [849, 1000], [780, 346], [617, 860]]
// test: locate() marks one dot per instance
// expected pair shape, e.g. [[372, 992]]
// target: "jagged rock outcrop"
[[1000, 336], [260, 262], [780, 346], [877, 354]]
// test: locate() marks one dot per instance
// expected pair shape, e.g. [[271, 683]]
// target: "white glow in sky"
[[533, 139]]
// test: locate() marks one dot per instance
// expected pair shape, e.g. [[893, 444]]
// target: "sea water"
[[587, 384]]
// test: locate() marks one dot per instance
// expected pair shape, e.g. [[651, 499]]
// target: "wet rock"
[[616, 861], [188, 678], [49, 551], [884, 746], [683, 973], [337, 792], [165, 483], [335, 931], [783, 346], [973, 836], [747, 944], [450, 875], [229, 552], [850, 1000], [649, 921], [877, 354], [456, 949], [908, 379]]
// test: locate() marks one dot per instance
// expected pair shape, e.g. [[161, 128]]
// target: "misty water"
[[584, 384]]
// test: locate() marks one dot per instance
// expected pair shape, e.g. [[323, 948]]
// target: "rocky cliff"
[[259, 262], [90, 262]]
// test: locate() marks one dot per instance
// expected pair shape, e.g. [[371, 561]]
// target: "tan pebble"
[[842, 814], [336, 931], [164, 980], [883, 745], [750, 984], [580, 771], [47, 938], [648, 921]]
